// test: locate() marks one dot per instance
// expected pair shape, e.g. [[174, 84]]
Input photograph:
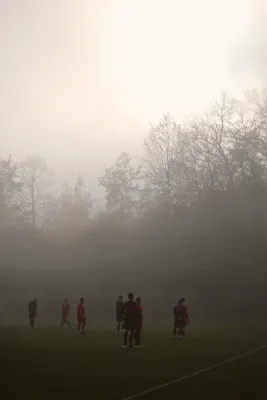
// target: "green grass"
[[49, 363]]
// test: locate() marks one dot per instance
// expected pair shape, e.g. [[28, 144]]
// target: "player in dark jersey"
[[119, 314], [139, 323], [130, 312], [33, 312], [181, 318]]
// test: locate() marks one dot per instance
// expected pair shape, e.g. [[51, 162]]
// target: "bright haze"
[[81, 80]]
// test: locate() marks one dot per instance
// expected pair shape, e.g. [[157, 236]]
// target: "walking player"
[[65, 313], [81, 316], [180, 319], [33, 312]]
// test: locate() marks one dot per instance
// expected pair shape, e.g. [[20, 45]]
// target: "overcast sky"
[[82, 79]]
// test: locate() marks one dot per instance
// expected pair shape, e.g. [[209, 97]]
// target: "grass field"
[[49, 363]]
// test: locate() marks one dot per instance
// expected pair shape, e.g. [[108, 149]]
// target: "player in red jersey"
[[181, 318], [130, 312], [81, 316], [139, 323], [65, 313]]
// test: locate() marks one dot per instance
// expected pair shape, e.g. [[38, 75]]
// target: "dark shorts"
[[179, 323], [130, 325], [119, 318], [31, 316]]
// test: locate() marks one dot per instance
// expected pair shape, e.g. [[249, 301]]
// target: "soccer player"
[[65, 313], [139, 323], [81, 316], [119, 314], [181, 318], [130, 312], [33, 311]]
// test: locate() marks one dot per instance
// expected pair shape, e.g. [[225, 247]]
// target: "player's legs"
[[174, 332], [175, 328], [118, 326], [79, 325], [181, 333], [31, 319], [137, 337], [125, 336], [131, 336], [121, 325], [83, 323], [64, 321]]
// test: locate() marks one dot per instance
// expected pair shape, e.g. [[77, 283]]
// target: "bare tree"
[[121, 183], [212, 138], [9, 187], [161, 157], [32, 198]]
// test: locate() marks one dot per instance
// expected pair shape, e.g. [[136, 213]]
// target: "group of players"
[[129, 317], [65, 308]]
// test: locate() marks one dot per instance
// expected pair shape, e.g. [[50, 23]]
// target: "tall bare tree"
[[161, 157], [9, 187], [121, 183], [33, 199]]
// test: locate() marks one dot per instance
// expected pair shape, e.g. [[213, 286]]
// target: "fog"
[[93, 90], [88, 77]]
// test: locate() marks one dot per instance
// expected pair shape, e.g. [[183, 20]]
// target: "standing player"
[[33, 312], [139, 323], [130, 312], [119, 314], [65, 313], [81, 316], [181, 318]]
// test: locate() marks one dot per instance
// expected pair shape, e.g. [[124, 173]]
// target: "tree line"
[[212, 163]]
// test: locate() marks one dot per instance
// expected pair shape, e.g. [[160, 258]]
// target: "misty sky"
[[82, 79]]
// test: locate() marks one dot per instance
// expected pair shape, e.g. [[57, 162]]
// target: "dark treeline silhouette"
[[191, 221]]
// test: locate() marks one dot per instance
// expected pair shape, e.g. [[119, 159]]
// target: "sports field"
[[49, 363]]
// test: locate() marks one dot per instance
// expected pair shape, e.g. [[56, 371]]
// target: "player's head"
[[120, 297], [138, 300], [130, 296], [82, 300], [66, 299], [182, 300]]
